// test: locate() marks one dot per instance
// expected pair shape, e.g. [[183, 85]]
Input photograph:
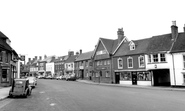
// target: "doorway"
[[117, 77]]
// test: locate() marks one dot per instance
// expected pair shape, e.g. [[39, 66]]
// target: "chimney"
[[174, 30], [80, 51], [120, 35], [77, 53], [70, 53], [40, 57], [35, 57], [45, 56]]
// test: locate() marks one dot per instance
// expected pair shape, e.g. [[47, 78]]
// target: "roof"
[[3, 36], [60, 58], [4, 45], [47, 59], [160, 43], [140, 47], [71, 59], [109, 44], [179, 44], [84, 56]]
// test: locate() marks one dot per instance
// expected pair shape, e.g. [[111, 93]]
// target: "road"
[[60, 95]]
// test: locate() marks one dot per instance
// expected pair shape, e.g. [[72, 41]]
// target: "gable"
[[101, 52]]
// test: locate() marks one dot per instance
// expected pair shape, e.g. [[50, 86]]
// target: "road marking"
[[47, 98], [42, 92], [52, 104]]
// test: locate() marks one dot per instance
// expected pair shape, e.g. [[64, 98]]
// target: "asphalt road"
[[60, 95]]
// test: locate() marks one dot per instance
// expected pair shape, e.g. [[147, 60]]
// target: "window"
[[1, 57], [86, 63], [130, 62], [71, 65], [163, 58], [125, 76], [120, 63], [107, 74], [141, 61], [155, 58], [184, 60], [105, 63], [144, 76], [132, 47], [149, 59], [98, 63], [108, 62]]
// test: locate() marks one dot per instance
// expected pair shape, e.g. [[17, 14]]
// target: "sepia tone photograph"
[[92, 55]]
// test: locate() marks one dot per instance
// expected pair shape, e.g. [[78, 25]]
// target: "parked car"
[[58, 77], [71, 77], [63, 77], [20, 87], [32, 81], [49, 77]]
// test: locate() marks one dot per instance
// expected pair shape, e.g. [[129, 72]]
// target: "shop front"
[[141, 77], [5, 75]]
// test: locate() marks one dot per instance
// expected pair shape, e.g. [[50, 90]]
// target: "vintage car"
[[20, 87], [32, 81]]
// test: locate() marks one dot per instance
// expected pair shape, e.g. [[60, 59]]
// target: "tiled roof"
[[110, 44], [160, 43], [140, 47], [179, 44], [71, 59], [3, 36], [84, 56], [48, 59]]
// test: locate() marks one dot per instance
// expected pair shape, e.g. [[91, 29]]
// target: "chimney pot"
[[120, 35], [174, 23]]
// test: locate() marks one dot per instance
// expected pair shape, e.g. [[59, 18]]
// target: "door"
[[134, 78], [117, 77]]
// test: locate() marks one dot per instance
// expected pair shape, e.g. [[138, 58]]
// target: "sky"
[[54, 27]]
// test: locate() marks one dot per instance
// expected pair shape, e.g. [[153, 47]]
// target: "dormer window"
[[132, 45]]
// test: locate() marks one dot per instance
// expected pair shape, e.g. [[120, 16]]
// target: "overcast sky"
[[53, 27]]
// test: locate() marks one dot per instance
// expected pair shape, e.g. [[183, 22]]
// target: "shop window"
[[130, 62], [184, 78], [141, 61], [144, 76], [155, 58], [5, 77], [162, 57], [126, 76], [120, 63]]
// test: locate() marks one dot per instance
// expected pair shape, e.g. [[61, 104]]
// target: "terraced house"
[[178, 59], [8, 61], [102, 58], [129, 63], [84, 65]]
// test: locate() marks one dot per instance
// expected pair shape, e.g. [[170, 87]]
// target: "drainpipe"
[[173, 69]]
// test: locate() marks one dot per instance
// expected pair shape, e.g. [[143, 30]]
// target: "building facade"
[[84, 65], [8, 61], [129, 63]]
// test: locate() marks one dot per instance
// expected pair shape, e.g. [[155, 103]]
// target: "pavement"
[[4, 92], [136, 86]]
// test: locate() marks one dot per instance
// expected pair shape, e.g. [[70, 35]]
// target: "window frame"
[[118, 63], [139, 61], [128, 63]]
